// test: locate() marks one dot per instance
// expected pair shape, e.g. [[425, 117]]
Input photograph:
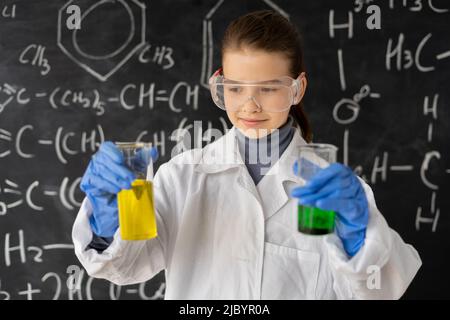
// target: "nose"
[[251, 105]]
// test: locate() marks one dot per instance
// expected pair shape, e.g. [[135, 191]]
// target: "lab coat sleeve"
[[384, 266], [126, 262]]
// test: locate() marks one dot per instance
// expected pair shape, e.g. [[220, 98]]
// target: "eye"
[[269, 89], [234, 89]]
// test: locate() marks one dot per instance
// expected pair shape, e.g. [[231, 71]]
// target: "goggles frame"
[[218, 79]]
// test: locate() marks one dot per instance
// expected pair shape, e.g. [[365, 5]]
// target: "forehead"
[[254, 65]]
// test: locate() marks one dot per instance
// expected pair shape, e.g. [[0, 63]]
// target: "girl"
[[225, 227]]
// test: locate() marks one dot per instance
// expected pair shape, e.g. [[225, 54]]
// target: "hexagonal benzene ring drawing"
[[208, 35], [103, 56]]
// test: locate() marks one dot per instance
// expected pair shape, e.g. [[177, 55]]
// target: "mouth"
[[251, 122]]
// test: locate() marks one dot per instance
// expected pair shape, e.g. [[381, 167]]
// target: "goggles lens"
[[274, 96]]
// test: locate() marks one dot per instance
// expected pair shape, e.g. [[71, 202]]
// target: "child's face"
[[250, 65]]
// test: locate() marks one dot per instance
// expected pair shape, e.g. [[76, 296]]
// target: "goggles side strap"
[[298, 86], [215, 74]]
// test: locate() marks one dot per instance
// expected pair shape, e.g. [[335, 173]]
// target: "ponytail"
[[300, 117]]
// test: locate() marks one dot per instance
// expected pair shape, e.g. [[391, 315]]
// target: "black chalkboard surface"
[[137, 70]]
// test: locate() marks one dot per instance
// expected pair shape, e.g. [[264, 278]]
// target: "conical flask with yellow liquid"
[[137, 220]]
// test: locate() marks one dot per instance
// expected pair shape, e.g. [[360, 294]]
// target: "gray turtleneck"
[[259, 154]]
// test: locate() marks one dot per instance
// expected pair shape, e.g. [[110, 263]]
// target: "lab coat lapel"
[[273, 187], [220, 155], [271, 191]]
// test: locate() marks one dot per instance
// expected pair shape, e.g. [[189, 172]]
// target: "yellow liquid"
[[136, 211]]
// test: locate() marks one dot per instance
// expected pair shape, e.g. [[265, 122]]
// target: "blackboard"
[[137, 70]]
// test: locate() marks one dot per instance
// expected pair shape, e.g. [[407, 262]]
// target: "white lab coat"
[[222, 237]]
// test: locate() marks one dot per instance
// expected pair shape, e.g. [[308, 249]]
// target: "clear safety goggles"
[[275, 95]]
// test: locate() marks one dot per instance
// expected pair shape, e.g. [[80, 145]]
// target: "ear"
[[302, 88]]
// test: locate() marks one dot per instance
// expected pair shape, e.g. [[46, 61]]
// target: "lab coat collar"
[[280, 179], [223, 154], [220, 155]]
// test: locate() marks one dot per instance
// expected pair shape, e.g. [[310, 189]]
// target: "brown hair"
[[270, 31]]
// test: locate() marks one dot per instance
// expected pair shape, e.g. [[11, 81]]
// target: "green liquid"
[[315, 221]]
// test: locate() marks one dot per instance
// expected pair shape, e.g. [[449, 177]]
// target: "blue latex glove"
[[337, 188], [105, 176]]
